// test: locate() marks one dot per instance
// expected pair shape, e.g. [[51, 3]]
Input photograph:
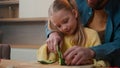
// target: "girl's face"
[[65, 21]]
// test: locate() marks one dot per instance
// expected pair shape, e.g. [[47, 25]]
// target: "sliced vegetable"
[[61, 60], [46, 62]]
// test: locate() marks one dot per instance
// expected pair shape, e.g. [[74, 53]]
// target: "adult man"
[[102, 16]]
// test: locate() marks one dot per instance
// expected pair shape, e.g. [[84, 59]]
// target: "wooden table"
[[21, 64]]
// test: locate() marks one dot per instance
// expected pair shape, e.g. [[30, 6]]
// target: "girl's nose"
[[65, 28]]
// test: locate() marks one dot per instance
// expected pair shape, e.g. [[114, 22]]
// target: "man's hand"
[[53, 40], [78, 55]]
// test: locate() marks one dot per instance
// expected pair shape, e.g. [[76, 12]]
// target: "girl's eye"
[[65, 21], [58, 26]]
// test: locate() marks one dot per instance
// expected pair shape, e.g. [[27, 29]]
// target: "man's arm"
[[47, 31], [108, 48]]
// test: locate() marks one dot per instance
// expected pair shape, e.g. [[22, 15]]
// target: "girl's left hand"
[[78, 55]]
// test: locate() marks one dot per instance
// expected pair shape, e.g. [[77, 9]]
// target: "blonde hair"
[[79, 36]]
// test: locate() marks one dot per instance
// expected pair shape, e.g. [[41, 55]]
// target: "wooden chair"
[[5, 51]]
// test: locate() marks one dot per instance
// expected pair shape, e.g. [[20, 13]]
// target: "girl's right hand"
[[53, 40]]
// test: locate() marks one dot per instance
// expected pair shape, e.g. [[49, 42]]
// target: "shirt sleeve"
[[104, 50], [47, 31]]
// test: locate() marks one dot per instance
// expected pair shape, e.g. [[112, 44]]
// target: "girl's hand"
[[53, 40], [78, 55]]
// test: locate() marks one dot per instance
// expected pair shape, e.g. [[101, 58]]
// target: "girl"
[[64, 19]]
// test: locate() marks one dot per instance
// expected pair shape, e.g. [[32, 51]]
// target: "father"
[[102, 16]]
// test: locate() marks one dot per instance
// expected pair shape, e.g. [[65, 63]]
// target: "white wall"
[[34, 8]]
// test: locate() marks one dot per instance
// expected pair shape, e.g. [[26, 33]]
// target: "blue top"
[[112, 32]]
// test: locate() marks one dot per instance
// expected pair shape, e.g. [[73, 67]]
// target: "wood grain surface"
[[21, 64]]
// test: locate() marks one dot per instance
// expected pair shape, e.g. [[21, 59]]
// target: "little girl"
[[64, 19]]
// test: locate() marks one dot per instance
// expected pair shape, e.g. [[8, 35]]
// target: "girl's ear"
[[75, 13]]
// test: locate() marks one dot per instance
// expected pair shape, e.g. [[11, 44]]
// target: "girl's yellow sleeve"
[[44, 57]]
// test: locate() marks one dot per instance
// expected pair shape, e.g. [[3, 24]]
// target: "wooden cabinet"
[[9, 8], [20, 32], [23, 32]]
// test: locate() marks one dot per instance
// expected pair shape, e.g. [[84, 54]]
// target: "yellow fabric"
[[42, 54], [92, 40]]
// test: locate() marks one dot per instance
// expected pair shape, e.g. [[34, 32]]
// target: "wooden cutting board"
[[21, 64]]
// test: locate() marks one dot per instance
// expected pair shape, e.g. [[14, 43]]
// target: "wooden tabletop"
[[21, 64]]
